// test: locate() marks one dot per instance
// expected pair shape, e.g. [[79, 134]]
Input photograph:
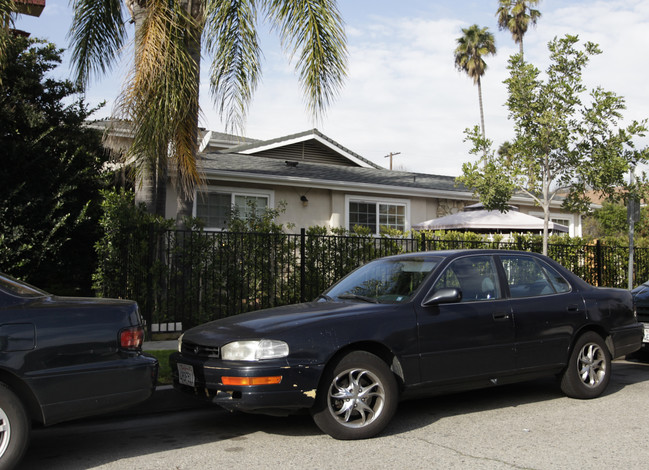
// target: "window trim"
[[233, 192], [349, 198]]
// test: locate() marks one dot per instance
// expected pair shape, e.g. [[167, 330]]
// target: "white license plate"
[[186, 375], [646, 334]]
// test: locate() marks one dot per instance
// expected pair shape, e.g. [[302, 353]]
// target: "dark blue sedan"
[[412, 325], [63, 358]]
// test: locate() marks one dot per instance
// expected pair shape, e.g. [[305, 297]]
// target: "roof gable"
[[309, 146]]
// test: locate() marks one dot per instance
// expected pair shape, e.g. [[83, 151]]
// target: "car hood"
[[269, 322]]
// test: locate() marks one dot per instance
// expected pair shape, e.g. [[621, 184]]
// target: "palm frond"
[[231, 39], [97, 35], [162, 93], [315, 30]]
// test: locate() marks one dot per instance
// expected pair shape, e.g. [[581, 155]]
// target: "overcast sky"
[[403, 93]]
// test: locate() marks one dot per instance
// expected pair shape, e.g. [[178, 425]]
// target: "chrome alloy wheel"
[[356, 398], [591, 364], [5, 432]]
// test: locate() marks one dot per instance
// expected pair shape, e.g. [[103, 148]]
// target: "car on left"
[[63, 358]]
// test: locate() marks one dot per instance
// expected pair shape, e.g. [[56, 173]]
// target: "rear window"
[[18, 288]]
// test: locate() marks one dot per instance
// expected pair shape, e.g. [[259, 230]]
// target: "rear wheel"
[[589, 368], [357, 397], [14, 428]]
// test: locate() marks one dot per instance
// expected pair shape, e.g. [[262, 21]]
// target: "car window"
[[529, 277], [18, 288], [384, 281], [475, 276]]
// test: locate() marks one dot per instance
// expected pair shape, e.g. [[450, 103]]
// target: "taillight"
[[131, 338]]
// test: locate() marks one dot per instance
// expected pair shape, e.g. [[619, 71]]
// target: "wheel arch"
[[24, 393], [373, 347], [594, 329]]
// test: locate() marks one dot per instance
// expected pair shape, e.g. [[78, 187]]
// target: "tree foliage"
[[516, 17], [49, 183], [566, 140], [475, 44], [160, 97]]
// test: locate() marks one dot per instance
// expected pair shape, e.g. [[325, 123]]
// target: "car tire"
[[589, 368], [14, 428], [357, 398]]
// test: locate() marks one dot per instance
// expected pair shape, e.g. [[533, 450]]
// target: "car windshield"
[[15, 287], [383, 281]]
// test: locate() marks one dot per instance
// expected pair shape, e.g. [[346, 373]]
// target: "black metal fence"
[[185, 278]]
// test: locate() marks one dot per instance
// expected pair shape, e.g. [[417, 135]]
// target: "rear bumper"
[[86, 391], [297, 389], [625, 340]]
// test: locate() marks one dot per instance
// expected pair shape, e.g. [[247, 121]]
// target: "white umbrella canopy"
[[475, 219]]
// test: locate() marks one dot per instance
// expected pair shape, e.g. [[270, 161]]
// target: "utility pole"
[[390, 155]]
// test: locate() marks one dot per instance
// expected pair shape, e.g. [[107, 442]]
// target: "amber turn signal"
[[251, 380]]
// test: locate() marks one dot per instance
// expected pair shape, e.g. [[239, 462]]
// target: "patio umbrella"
[[475, 219]]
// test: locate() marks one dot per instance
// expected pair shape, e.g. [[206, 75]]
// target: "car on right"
[[641, 300]]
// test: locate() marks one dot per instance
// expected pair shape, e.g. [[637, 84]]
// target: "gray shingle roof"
[[221, 163]]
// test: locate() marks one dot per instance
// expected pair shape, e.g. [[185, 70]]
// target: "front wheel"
[[14, 428], [357, 397], [589, 368]]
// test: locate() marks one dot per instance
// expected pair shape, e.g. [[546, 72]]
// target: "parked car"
[[63, 358], [411, 325], [641, 299]]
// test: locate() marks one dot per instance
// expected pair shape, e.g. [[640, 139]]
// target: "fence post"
[[423, 241], [599, 262], [302, 265], [148, 308]]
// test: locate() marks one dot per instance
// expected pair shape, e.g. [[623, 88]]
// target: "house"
[[320, 182]]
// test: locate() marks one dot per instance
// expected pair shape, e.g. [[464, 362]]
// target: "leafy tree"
[[472, 47], [564, 144], [161, 94], [49, 183], [516, 16]]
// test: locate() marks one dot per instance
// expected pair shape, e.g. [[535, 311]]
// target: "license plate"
[[186, 375], [646, 334]]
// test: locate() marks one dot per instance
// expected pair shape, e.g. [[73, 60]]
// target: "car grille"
[[192, 349]]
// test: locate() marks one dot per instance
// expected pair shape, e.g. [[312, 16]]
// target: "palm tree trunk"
[[520, 48], [151, 187], [185, 198], [481, 108]]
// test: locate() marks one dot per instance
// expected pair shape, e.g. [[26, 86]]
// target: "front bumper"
[[296, 390]]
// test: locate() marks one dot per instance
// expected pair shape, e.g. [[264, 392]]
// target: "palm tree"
[[160, 97], [475, 43], [516, 16]]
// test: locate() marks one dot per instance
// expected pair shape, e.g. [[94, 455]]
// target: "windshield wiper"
[[325, 297], [358, 297]]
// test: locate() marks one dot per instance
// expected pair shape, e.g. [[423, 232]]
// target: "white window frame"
[[233, 192], [377, 200]]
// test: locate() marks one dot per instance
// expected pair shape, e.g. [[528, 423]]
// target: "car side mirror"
[[443, 296]]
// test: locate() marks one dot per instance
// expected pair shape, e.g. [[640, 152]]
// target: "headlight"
[[254, 350], [180, 343]]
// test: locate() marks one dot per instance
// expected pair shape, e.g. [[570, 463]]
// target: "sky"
[[403, 93]]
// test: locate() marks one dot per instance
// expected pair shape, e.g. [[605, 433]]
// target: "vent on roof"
[[291, 164]]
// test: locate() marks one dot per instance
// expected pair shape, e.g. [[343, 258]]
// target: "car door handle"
[[500, 316], [572, 308]]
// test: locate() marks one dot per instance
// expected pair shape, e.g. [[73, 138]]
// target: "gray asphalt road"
[[525, 426]]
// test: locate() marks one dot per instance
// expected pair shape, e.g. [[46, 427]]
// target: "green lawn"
[[164, 373]]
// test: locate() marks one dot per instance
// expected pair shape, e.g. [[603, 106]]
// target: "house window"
[[377, 215], [216, 208]]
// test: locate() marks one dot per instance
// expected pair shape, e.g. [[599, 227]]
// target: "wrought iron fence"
[[184, 278]]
